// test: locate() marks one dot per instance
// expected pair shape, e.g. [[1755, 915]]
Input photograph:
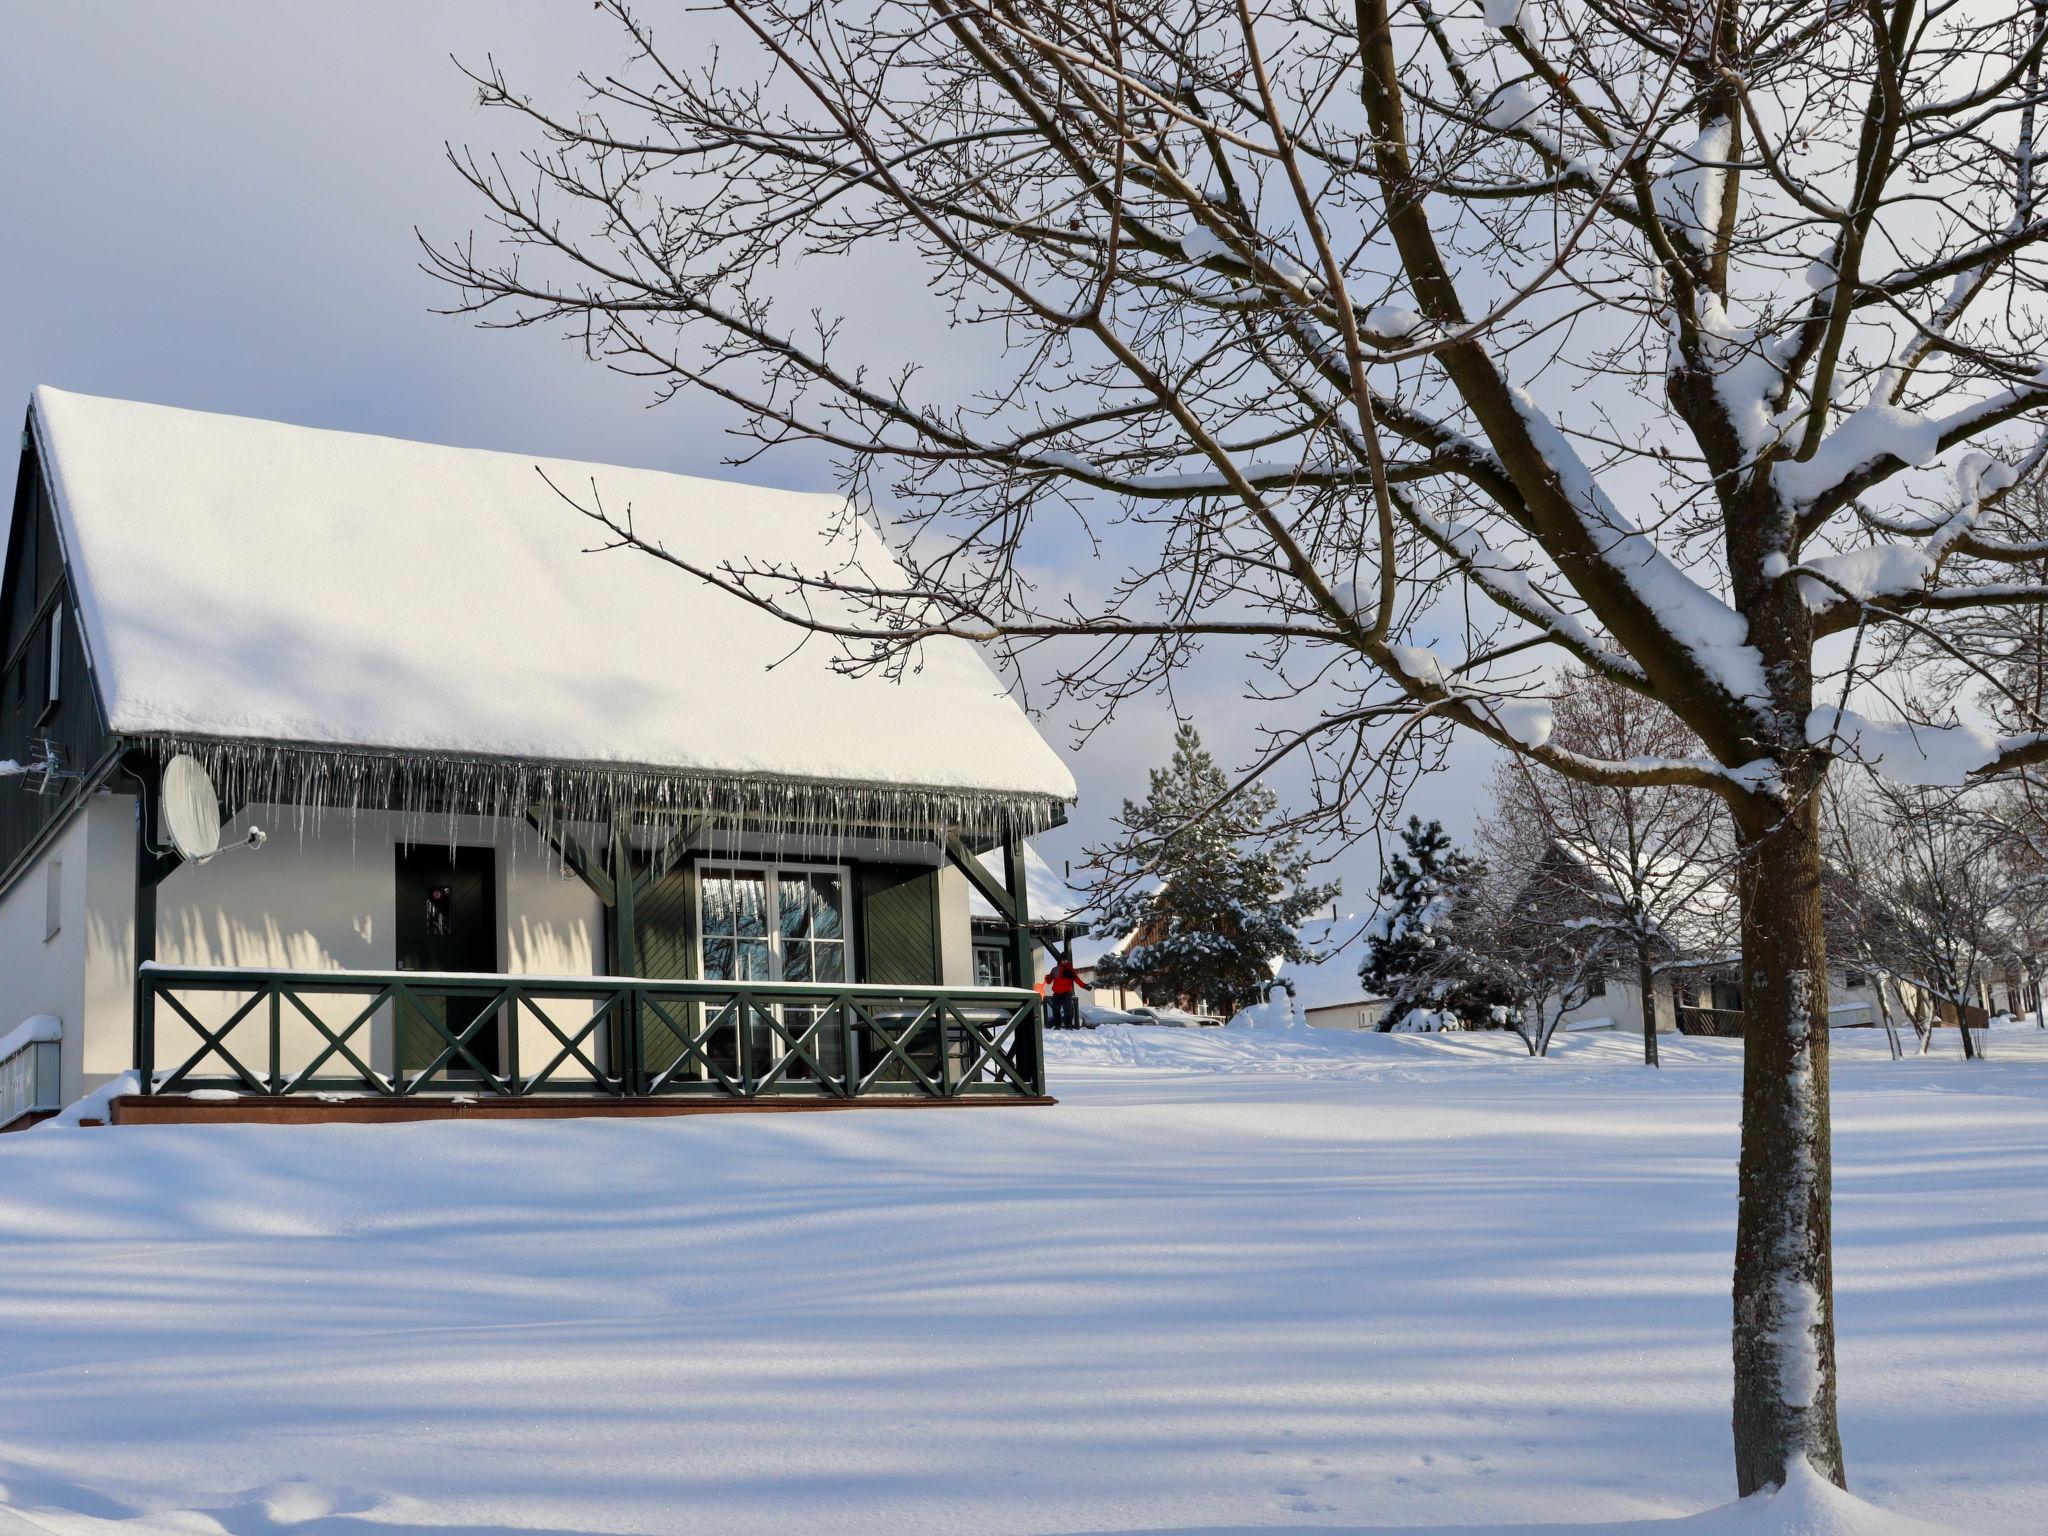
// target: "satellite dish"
[[191, 809]]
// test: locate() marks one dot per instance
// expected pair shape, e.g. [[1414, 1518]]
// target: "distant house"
[[1704, 997], [1362, 1012], [1328, 990], [545, 827]]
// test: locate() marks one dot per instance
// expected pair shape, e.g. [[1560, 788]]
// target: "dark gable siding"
[[35, 602], [899, 924]]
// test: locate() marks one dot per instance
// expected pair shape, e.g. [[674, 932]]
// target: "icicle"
[[431, 794]]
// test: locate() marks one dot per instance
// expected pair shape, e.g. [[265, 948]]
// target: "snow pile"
[[1502, 14], [1392, 322], [1807, 1505], [1876, 432], [1202, 244], [1906, 754], [1528, 721], [1714, 633], [1513, 107], [1688, 194], [1881, 570], [39, 1030], [1278, 1010], [96, 1106]]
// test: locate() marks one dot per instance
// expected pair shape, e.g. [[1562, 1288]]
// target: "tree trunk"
[[1784, 1271], [1646, 980], [1884, 1012]]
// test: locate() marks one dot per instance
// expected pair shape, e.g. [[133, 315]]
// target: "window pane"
[[796, 961], [826, 921], [718, 960], [830, 961], [790, 894], [717, 901], [753, 958], [750, 905]]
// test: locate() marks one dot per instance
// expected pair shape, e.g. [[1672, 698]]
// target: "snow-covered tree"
[[1223, 892], [1410, 348], [1423, 950]]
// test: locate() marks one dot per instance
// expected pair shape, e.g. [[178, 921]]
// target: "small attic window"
[[53, 668]]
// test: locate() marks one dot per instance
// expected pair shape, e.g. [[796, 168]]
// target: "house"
[[1363, 1011], [544, 827]]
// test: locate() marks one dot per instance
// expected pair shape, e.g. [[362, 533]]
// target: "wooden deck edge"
[[182, 1109]]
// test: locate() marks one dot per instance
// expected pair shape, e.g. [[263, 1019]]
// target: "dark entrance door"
[[447, 921]]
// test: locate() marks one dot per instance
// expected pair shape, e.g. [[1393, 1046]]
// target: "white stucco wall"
[[320, 896], [40, 975], [956, 928], [1622, 1005]]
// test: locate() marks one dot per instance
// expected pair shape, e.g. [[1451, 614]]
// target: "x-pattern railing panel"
[[605, 1036]]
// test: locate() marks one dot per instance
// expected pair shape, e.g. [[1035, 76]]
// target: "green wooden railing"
[[276, 1033]]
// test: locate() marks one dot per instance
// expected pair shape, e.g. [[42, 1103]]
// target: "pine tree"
[[1418, 950], [1227, 892]]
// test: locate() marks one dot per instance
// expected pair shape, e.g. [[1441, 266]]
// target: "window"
[[40, 668], [992, 965], [53, 900], [1855, 980], [777, 923], [53, 638], [773, 922]]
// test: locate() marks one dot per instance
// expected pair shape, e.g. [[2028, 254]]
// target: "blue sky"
[[214, 206]]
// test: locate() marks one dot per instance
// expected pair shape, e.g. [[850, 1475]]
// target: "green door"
[[447, 921], [899, 927], [899, 946]]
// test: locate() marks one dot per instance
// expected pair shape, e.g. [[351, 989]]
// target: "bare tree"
[[1929, 906], [1544, 932], [1408, 350], [1647, 863], [1860, 907]]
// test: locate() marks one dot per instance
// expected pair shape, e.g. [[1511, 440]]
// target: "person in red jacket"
[[1063, 984]]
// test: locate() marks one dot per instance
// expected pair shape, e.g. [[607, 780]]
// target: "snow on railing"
[[29, 1064]]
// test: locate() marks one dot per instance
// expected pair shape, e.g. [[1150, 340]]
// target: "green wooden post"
[[626, 943], [1015, 885], [1031, 1037]]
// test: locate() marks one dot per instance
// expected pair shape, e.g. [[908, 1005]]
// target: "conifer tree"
[[1228, 892], [1416, 951]]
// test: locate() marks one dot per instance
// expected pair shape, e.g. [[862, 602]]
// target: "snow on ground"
[[1239, 1280]]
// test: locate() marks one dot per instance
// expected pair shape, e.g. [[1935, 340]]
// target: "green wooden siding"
[[899, 924], [665, 921]]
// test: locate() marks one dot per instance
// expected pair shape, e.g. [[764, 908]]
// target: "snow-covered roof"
[[246, 581], [1049, 898]]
